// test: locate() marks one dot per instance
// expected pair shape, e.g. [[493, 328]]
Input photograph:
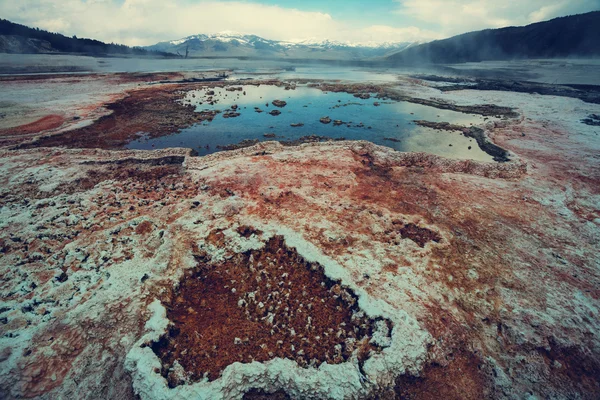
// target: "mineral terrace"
[[325, 270]]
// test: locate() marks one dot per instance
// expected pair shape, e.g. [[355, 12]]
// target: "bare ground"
[[487, 273]]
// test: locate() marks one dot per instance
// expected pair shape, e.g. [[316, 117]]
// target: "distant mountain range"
[[229, 44], [572, 36]]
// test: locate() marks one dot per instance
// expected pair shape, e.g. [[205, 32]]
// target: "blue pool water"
[[306, 105]]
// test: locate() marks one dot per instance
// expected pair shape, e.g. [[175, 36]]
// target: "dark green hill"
[[16, 38], [571, 36]]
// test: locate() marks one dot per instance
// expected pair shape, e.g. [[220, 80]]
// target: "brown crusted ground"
[[67, 343], [499, 294], [144, 185], [42, 124], [247, 231], [473, 262], [258, 306], [260, 395], [420, 236], [152, 111], [573, 366], [454, 371], [122, 172], [295, 142], [63, 349], [460, 379], [309, 139], [58, 109], [151, 173]]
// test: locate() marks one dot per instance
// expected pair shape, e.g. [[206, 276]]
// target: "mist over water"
[[555, 71]]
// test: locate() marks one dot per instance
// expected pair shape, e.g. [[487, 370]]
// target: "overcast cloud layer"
[[145, 22]]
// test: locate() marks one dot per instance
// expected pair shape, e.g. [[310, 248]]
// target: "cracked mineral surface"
[[339, 269]]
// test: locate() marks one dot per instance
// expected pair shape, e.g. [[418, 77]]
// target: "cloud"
[[144, 22], [141, 22], [451, 17], [384, 33], [565, 7]]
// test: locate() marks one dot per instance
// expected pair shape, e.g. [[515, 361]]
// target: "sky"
[[146, 22]]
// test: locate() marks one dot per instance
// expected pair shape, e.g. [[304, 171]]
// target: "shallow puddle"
[[383, 122]]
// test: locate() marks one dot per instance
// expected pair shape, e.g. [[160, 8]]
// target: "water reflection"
[[389, 123]]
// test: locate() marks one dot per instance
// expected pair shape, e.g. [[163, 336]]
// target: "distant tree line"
[[73, 44]]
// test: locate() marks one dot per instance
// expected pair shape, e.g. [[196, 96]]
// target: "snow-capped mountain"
[[333, 43], [233, 44], [225, 37]]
